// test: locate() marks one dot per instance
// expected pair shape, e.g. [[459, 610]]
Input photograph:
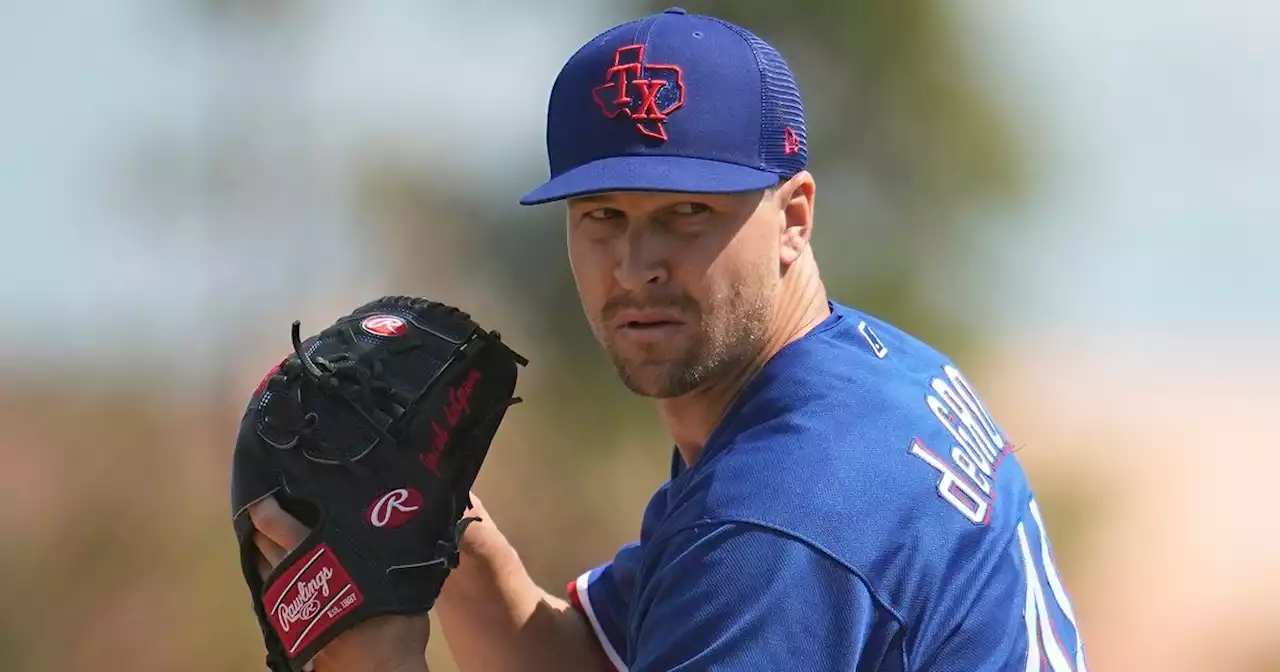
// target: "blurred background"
[[1078, 201]]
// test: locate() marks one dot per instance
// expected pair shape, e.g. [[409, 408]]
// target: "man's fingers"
[[264, 565], [277, 525], [271, 552], [476, 507], [277, 533]]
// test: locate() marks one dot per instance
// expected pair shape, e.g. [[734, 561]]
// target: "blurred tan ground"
[[1158, 487], [1175, 562]]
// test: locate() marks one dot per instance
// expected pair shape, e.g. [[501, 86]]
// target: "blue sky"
[[1152, 127], [1156, 133]]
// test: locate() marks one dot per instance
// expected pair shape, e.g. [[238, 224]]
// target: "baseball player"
[[840, 496]]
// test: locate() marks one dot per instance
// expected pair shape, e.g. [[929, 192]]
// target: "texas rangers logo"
[[646, 92]]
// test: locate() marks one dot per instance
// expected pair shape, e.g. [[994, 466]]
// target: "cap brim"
[[651, 173]]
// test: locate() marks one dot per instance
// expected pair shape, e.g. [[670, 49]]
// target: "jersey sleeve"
[[737, 597], [602, 594]]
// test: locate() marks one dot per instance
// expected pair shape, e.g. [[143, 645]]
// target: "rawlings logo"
[[384, 325], [394, 508], [310, 597], [458, 408], [306, 602], [646, 92]]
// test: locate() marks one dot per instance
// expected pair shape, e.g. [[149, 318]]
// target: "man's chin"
[[656, 382]]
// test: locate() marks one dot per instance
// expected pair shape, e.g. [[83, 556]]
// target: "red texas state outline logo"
[[641, 90]]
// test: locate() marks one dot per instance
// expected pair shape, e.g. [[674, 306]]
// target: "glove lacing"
[[341, 377]]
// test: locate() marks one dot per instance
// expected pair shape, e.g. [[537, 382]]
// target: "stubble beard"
[[732, 334]]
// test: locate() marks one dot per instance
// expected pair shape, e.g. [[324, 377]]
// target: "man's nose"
[[643, 260]]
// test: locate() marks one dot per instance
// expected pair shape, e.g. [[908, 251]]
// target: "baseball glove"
[[371, 433]]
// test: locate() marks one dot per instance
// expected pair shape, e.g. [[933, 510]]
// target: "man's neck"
[[692, 418]]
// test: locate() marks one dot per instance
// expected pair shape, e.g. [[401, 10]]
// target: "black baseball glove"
[[371, 433]]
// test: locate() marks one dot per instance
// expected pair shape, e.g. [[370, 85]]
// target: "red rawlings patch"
[[309, 598]]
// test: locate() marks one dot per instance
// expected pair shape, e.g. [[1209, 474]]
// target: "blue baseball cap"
[[672, 102]]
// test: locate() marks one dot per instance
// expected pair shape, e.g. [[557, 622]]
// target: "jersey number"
[[1045, 649]]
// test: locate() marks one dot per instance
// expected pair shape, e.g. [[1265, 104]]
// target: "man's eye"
[[603, 214], [690, 208]]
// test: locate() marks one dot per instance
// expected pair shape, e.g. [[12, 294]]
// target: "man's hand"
[[382, 644]]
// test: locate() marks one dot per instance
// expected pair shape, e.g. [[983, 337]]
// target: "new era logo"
[[646, 92]]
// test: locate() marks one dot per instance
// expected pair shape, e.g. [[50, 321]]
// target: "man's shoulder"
[[925, 451], [870, 443], [861, 415]]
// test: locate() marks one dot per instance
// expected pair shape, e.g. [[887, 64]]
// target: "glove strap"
[[451, 551]]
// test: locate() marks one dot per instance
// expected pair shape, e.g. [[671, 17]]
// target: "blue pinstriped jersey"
[[858, 508]]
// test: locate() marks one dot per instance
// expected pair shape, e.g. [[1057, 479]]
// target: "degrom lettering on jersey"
[[978, 451]]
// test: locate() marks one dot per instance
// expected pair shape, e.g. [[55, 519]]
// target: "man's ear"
[[795, 197]]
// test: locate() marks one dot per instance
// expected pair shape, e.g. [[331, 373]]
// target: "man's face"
[[679, 288]]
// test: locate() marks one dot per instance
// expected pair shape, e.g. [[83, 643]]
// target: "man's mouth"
[[642, 325], [649, 324]]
